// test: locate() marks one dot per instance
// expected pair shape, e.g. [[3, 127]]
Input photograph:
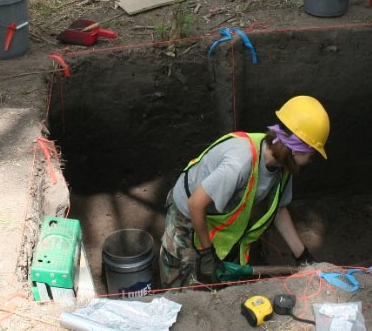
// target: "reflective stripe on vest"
[[227, 229]]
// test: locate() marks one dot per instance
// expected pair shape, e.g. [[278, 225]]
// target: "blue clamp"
[[226, 33], [334, 279]]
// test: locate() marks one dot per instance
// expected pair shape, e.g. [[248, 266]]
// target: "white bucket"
[[127, 258]]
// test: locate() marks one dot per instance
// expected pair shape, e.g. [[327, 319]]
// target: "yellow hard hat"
[[307, 119]]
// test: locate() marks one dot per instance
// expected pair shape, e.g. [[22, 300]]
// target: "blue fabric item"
[[226, 33], [227, 36], [334, 279]]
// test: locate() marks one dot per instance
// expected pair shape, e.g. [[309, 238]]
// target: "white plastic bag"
[[121, 315], [339, 316]]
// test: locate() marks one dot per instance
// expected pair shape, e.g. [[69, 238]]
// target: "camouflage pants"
[[178, 258]]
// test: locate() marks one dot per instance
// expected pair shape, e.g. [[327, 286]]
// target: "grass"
[[188, 26], [162, 31], [265, 4], [5, 222], [180, 25], [24, 90], [42, 9]]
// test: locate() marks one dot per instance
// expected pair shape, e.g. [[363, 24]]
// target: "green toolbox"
[[56, 257]]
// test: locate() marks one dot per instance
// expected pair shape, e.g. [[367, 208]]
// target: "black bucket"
[[127, 261]]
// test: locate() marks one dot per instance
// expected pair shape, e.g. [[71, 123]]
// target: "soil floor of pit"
[[23, 93]]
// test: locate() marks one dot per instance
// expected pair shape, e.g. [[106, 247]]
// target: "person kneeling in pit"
[[209, 208]]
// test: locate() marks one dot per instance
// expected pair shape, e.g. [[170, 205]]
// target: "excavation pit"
[[128, 121]]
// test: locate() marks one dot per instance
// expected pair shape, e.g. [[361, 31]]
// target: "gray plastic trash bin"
[[14, 11], [326, 8]]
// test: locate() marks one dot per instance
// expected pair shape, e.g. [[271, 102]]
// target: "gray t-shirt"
[[223, 173]]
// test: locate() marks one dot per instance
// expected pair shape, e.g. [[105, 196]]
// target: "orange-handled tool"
[[9, 35]]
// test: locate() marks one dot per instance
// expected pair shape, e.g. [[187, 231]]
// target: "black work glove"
[[208, 264], [305, 258]]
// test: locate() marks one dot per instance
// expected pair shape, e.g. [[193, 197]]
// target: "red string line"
[[254, 29], [62, 106], [51, 82]]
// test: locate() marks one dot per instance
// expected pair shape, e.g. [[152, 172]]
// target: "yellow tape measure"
[[257, 310]]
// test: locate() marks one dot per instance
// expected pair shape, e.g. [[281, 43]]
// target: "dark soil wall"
[[130, 118], [127, 117]]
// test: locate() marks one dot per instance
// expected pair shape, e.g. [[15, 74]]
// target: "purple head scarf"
[[291, 141]]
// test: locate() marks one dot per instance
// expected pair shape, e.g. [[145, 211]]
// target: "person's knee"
[[169, 268]]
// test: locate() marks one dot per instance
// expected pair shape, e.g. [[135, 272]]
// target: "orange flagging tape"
[[62, 63], [43, 143]]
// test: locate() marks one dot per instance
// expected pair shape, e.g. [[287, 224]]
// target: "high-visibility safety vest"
[[225, 230]]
